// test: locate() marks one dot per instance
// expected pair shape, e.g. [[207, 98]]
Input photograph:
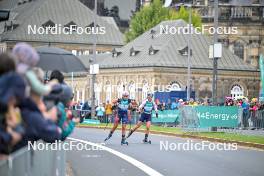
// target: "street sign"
[[215, 51], [94, 69]]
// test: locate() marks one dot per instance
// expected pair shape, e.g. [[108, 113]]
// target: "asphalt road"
[[172, 162]]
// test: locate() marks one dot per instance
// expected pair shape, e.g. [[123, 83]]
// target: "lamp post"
[[189, 42], [214, 84], [93, 61], [189, 54]]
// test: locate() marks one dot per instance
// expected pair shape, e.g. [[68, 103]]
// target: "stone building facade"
[[134, 79], [158, 63], [246, 15]]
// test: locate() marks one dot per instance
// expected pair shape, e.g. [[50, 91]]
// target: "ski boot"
[[130, 133], [109, 136], [146, 141], [123, 141]]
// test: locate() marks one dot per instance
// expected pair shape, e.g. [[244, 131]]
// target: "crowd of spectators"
[[252, 111], [250, 108], [31, 108]]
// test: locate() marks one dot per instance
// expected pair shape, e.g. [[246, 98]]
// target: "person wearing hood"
[[27, 58], [66, 121], [39, 122]]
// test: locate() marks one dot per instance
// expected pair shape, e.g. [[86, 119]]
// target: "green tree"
[[150, 16]]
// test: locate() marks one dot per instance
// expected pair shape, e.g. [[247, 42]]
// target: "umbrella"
[[52, 58]]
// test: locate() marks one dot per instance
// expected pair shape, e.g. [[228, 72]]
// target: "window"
[[74, 52], [132, 90], [152, 50], [72, 27], [97, 89], [175, 86], [115, 52], [83, 95], [2, 47], [184, 51], [133, 52], [239, 50], [108, 92], [145, 90], [119, 89], [49, 23], [86, 52], [236, 91]]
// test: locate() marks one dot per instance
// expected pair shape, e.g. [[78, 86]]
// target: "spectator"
[[7, 63], [86, 110], [100, 110], [27, 58], [108, 111], [56, 74], [245, 107], [174, 105], [181, 103], [163, 106], [253, 107], [65, 120], [39, 122], [12, 92]]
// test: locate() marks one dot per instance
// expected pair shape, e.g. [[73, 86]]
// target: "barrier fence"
[[202, 117], [25, 162]]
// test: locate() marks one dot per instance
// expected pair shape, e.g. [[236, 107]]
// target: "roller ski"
[[109, 136], [146, 141], [130, 133], [123, 142]]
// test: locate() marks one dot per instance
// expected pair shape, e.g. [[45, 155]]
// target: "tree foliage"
[[150, 16]]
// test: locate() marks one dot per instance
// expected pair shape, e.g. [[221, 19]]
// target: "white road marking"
[[148, 170]]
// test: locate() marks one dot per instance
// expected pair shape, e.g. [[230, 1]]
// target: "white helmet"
[[125, 93]]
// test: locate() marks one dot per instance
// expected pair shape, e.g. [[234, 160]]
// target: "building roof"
[[125, 7], [60, 12], [8, 4], [167, 52]]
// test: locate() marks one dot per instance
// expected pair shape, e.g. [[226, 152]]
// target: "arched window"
[[145, 90], [132, 90], [97, 89], [108, 90], [239, 49], [120, 89], [175, 86], [236, 91]]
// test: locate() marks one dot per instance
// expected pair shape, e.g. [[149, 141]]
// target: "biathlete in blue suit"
[[123, 114], [146, 109]]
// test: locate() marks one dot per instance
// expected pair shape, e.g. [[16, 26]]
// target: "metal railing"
[[253, 120], [29, 162]]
